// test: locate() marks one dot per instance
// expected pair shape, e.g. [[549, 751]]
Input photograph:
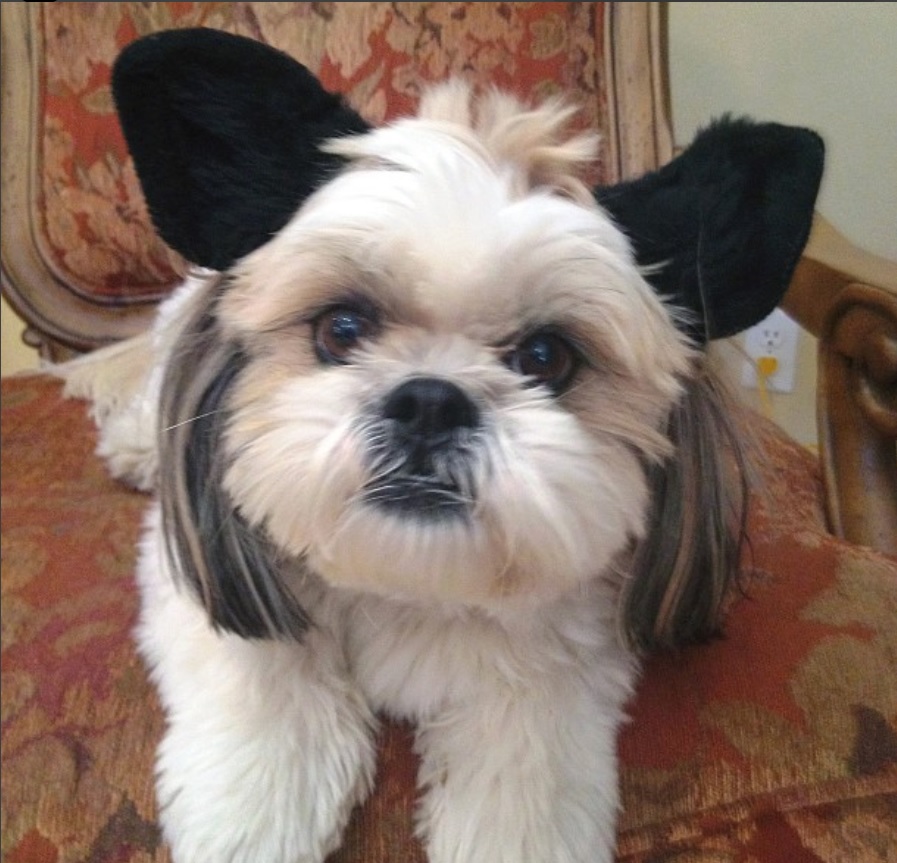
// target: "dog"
[[436, 450]]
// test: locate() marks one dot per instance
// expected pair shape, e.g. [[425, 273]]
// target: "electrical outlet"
[[776, 337]]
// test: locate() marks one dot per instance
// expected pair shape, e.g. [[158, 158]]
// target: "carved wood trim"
[[857, 405], [59, 320], [640, 133], [848, 298]]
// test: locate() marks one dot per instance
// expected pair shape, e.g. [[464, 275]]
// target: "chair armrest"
[[848, 299]]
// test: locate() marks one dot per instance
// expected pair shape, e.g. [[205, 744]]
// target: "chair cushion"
[[777, 743]]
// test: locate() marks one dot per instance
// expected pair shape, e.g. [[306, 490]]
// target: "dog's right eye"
[[339, 331], [545, 358]]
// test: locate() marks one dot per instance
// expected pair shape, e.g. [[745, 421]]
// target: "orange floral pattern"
[[775, 744], [92, 226]]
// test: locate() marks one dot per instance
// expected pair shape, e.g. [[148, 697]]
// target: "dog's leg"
[[121, 383], [268, 745], [526, 771]]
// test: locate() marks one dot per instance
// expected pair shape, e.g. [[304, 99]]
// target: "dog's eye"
[[339, 331], [546, 358]]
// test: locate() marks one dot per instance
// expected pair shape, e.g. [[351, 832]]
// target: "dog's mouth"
[[419, 496]]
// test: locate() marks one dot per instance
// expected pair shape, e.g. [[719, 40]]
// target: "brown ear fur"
[[683, 570], [233, 569]]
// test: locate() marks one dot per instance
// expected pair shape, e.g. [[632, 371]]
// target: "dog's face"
[[455, 375], [444, 377], [446, 380]]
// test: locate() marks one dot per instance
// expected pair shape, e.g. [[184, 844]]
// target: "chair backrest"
[[80, 260]]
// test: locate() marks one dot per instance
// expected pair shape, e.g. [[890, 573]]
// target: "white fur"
[[122, 382], [269, 743], [496, 635]]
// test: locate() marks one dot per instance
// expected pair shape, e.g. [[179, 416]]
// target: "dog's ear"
[[720, 228], [684, 567], [224, 133], [231, 566]]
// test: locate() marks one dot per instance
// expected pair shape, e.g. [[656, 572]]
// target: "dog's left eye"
[[339, 331], [545, 358]]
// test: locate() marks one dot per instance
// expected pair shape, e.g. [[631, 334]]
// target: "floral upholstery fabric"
[[91, 223], [774, 744]]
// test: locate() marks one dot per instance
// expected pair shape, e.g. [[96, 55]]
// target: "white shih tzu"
[[437, 450]]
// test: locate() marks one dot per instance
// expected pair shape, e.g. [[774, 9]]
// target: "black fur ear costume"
[[224, 132]]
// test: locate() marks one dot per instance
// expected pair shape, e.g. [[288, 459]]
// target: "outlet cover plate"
[[775, 336]]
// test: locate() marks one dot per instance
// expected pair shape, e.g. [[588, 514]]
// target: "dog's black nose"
[[428, 409], [423, 458]]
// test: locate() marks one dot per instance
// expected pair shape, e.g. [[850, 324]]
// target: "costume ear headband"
[[224, 133]]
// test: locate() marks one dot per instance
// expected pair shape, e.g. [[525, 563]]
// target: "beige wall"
[[830, 66], [15, 355]]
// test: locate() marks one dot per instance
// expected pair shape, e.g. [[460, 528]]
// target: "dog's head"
[[446, 378]]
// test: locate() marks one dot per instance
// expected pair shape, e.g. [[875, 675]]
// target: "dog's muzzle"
[[424, 454]]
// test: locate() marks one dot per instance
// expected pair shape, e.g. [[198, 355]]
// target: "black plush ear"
[[224, 132], [225, 135], [722, 226]]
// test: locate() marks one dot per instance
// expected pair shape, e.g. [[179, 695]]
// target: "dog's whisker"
[[192, 419]]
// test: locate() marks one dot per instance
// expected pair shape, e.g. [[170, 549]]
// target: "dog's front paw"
[[262, 801], [269, 745], [536, 788]]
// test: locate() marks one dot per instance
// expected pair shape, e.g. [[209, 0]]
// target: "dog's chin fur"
[[500, 611]]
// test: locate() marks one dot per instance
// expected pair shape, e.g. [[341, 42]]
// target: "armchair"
[[777, 743]]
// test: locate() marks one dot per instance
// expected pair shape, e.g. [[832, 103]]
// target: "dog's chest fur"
[[413, 661]]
